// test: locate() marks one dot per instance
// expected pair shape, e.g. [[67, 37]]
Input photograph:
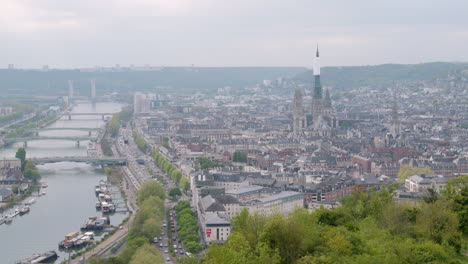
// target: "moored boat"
[[76, 239], [24, 210], [8, 219], [31, 201]]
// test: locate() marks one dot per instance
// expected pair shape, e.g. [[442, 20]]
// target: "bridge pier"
[[25, 144], [102, 117], [69, 117], [77, 143], [90, 133]]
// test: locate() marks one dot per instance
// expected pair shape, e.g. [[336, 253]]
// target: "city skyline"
[[210, 33]]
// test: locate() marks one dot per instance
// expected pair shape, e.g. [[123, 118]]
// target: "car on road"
[[155, 240], [160, 245], [166, 251], [168, 259]]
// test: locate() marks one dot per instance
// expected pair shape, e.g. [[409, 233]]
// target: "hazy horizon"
[[209, 33]]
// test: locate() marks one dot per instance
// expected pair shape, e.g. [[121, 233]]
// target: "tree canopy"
[[369, 227]]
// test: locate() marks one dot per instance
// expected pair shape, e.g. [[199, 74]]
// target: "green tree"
[[174, 192], [239, 157], [456, 193], [150, 188], [21, 155], [147, 254], [438, 224], [31, 172]]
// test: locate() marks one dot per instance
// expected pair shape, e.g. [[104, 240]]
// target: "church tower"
[[299, 117]]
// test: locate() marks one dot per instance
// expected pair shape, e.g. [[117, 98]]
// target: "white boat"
[[24, 210], [43, 193], [31, 201]]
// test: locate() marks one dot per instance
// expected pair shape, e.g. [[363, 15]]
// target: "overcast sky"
[[85, 33]]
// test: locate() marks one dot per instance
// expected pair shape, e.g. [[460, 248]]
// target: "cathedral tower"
[[299, 118]]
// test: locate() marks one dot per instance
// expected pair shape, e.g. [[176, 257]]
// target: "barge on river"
[[95, 223], [76, 239]]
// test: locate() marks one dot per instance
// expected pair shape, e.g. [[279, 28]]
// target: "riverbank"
[[70, 197]]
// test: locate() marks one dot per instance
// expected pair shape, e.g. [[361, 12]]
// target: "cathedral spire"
[[317, 87]]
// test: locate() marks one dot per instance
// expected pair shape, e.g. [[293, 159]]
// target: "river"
[[70, 197]]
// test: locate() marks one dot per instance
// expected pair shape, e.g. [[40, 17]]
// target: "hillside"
[[358, 76], [55, 82]]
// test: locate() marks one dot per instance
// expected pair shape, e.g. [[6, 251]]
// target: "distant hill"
[[55, 82], [358, 76]]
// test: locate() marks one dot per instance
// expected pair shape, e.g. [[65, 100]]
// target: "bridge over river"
[[108, 161], [25, 140], [67, 128], [103, 115]]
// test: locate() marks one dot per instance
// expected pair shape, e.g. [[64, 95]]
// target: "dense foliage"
[[140, 141], [21, 155], [19, 110], [206, 163], [174, 193], [31, 172], [239, 157], [27, 166], [188, 227], [370, 227], [146, 225], [122, 117], [24, 128], [171, 170]]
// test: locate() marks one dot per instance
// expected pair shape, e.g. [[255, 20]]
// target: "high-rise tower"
[[299, 117]]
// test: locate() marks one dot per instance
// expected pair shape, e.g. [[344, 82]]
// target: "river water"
[[70, 197]]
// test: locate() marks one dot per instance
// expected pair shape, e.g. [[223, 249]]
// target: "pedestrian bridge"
[[109, 161]]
